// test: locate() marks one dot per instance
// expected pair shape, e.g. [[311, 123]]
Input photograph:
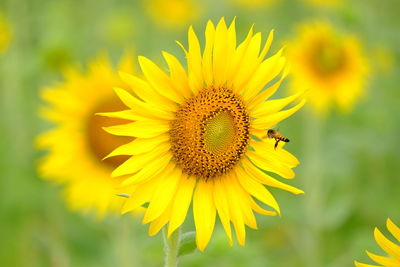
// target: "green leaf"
[[188, 243]]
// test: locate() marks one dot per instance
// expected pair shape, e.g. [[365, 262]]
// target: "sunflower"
[[77, 144], [331, 65], [5, 33], [172, 13], [200, 135], [393, 260]]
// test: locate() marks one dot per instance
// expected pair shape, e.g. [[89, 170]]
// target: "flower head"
[[331, 65], [200, 135], [77, 144], [391, 248]]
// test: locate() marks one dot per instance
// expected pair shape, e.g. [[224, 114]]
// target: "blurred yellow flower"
[[5, 33], [254, 3], [391, 248], [77, 144], [331, 65], [173, 13], [202, 135]]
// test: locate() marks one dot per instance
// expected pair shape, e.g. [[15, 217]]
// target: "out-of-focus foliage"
[[349, 167]]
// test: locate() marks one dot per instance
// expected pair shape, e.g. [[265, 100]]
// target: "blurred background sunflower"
[[332, 66], [350, 162], [173, 14], [77, 144]]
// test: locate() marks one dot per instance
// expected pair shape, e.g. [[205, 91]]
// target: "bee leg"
[[276, 144]]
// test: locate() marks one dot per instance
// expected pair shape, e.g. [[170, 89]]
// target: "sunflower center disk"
[[219, 132], [329, 58], [100, 142], [210, 133]]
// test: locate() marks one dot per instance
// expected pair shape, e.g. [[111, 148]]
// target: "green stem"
[[171, 247]]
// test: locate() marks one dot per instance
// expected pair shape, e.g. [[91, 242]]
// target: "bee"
[[271, 133]]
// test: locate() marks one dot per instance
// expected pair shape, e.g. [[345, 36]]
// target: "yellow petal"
[[150, 170], [257, 190], [244, 204], [145, 92], [207, 55], [260, 210], [158, 223], [181, 202], [248, 66], [220, 58], [135, 163], [261, 97], [393, 229], [141, 108], [230, 50], [274, 119], [141, 129], [203, 212], [387, 245], [358, 264], [163, 195], [272, 106], [264, 178], [240, 231], [236, 62], [385, 261], [232, 38], [267, 45], [248, 216], [221, 203], [159, 80], [124, 114], [265, 72], [270, 165], [194, 62], [178, 75], [234, 189], [139, 146], [266, 148], [140, 195]]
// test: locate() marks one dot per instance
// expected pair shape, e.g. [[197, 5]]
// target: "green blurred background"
[[350, 164]]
